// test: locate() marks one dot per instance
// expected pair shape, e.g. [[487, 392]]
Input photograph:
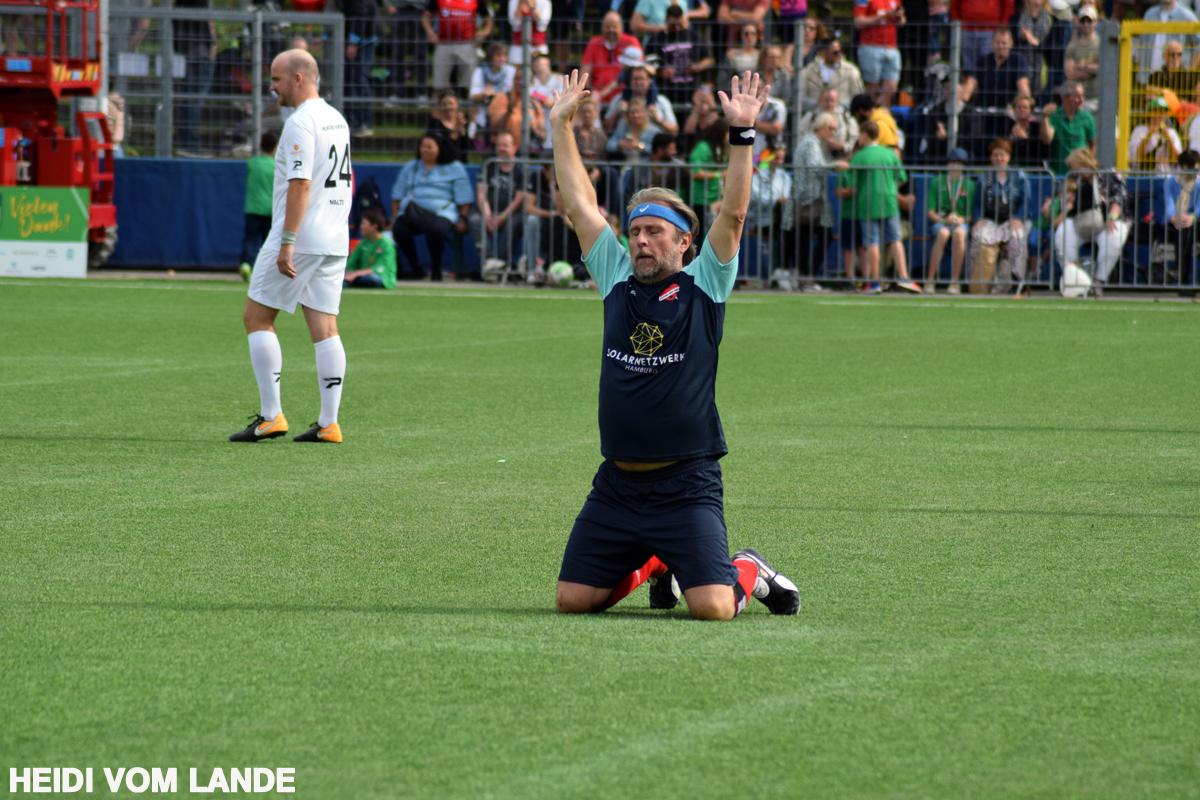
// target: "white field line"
[[1172, 307], [400, 292]]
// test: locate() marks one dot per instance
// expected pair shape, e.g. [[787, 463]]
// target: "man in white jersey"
[[304, 258]]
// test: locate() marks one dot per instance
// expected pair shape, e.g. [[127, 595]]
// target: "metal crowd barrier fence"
[[217, 101], [976, 230], [388, 77]]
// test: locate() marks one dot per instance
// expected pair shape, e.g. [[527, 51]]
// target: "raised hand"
[[745, 99], [566, 101]]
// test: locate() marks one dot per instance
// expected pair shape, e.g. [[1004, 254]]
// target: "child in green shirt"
[[951, 198], [871, 187], [260, 183], [372, 265]]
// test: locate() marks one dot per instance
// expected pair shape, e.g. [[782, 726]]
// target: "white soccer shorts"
[[317, 285]]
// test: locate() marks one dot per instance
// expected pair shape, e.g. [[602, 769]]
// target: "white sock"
[[267, 359], [331, 369]]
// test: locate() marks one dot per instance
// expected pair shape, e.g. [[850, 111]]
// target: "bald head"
[[299, 60], [611, 27], [294, 76]]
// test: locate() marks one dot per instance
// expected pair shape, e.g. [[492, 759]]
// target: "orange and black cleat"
[[261, 428], [331, 433]]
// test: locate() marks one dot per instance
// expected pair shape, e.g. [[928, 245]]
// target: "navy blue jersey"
[[658, 371]]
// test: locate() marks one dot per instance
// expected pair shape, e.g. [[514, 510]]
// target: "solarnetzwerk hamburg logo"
[[646, 339]]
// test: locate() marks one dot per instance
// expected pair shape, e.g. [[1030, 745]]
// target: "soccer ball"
[[1075, 281], [560, 274]]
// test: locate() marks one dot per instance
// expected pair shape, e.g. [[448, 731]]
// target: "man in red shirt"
[[878, 57], [455, 39], [602, 57]]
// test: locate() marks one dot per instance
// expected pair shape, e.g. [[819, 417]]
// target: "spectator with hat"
[[1155, 144], [1081, 59], [951, 199]]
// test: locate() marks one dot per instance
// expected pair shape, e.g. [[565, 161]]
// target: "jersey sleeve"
[[714, 278], [299, 142], [607, 262]]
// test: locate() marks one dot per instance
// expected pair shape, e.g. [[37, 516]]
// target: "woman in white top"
[[744, 57]]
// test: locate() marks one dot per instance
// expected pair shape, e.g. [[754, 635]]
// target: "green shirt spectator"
[[260, 180], [260, 191], [372, 265], [706, 182], [1067, 128], [875, 174], [951, 194]]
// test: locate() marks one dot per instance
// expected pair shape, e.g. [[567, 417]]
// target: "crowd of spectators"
[[863, 96]]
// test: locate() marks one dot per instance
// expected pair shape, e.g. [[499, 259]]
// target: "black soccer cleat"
[[772, 589], [331, 433], [261, 428], [664, 591]]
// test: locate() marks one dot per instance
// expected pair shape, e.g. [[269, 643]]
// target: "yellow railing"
[[1125, 86]]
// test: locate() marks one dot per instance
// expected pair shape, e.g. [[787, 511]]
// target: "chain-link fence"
[[397, 70], [956, 229], [216, 102]]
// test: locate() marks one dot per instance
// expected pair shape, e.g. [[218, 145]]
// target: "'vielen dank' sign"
[[43, 232]]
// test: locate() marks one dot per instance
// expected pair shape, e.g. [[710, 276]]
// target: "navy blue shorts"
[[676, 513], [850, 233]]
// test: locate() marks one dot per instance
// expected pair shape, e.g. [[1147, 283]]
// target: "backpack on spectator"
[[366, 195]]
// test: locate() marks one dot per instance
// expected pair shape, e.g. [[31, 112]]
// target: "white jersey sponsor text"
[[315, 145]]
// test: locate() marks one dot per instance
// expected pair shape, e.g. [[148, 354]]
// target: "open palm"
[[566, 101], [745, 99]]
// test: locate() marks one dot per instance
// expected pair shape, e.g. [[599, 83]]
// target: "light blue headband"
[[662, 212]]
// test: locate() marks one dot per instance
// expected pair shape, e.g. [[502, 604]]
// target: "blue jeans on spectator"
[[197, 81], [939, 37], [880, 231], [369, 281], [359, 113], [975, 45], [257, 227]]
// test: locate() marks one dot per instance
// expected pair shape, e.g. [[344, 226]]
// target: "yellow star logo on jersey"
[[646, 339]]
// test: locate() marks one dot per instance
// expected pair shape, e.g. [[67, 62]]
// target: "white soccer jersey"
[[315, 145]]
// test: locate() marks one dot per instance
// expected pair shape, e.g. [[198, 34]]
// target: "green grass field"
[[991, 508]]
